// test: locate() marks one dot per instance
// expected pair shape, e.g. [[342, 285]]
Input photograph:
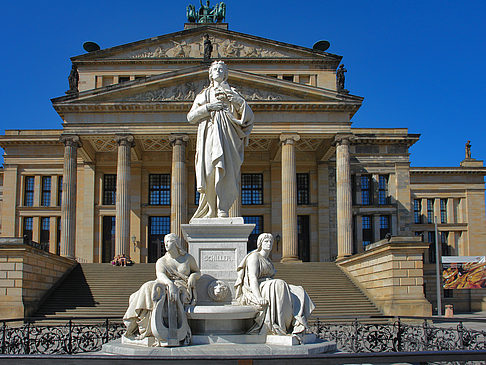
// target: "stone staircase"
[[96, 290]]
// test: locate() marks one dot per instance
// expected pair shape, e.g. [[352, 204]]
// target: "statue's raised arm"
[[225, 121]]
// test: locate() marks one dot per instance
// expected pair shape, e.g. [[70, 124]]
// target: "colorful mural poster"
[[464, 272]]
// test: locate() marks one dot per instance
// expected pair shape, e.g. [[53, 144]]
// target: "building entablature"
[[448, 170]]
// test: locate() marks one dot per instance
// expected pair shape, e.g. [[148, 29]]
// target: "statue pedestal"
[[218, 245]]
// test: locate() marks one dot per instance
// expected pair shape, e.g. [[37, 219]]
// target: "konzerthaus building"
[[125, 156]]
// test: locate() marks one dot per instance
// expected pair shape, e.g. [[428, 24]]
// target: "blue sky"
[[418, 64]]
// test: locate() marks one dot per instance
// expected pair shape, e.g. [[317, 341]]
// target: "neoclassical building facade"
[[119, 174]]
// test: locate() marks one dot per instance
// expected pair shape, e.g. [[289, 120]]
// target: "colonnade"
[[178, 142]]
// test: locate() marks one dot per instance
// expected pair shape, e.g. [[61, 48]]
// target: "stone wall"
[[391, 272], [26, 274]]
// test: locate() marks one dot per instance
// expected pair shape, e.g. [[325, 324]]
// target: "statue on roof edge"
[[206, 13]]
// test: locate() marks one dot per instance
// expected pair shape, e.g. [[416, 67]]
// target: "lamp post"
[[437, 270]]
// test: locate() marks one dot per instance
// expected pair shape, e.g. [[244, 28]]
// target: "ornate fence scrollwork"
[[399, 336], [356, 336], [69, 338]]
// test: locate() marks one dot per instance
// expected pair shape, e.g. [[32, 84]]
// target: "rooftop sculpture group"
[[206, 13]]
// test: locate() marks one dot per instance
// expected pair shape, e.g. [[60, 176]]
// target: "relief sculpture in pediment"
[[194, 48], [187, 92]]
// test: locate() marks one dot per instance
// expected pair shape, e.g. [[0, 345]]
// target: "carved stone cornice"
[[289, 138], [125, 140], [178, 139], [70, 140]]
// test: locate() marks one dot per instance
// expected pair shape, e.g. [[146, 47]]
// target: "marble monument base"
[[222, 346], [218, 245]]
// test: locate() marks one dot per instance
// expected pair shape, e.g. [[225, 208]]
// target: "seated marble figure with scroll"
[[156, 312], [284, 308]]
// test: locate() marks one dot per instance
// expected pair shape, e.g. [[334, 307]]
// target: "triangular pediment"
[[189, 44], [184, 85]]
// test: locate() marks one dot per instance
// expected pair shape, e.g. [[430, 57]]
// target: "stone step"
[[103, 290]]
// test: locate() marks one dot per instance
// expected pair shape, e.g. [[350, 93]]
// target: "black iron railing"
[[400, 336], [69, 338], [359, 335]]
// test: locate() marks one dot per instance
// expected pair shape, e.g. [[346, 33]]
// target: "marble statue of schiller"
[[225, 122]]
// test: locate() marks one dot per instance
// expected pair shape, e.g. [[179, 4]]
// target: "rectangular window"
[[251, 189], [59, 191], [420, 234], [158, 228], [430, 210], [417, 211], [27, 228], [58, 241], [159, 189], [44, 229], [431, 240], [123, 79], [302, 189], [46, 191], [384, 225], [109, 189], [366, 224], [29, 191], [383, 197], [257, 220], [444, 242], [366, 189], [443, 211]]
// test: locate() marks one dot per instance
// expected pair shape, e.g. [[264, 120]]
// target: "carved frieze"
[[194, 48], [187, 92]]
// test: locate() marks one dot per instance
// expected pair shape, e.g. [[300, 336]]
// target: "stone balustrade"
[[391, 272], [26, 275]]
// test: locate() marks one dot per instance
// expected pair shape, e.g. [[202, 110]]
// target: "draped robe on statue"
[[289, 306], [221, 138], [138, 317]]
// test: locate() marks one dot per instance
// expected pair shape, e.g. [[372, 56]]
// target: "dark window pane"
[[443, 211], [109, 189], [302, 189], [251, 189], [158, 228], [366, 223], [27, 227], [29, 191], [430, 210], [417, 211], [252, 239], [384, 225], [366, 189], [44, 233], [383, 197], [159, 189], [46, 191], [59, 191]]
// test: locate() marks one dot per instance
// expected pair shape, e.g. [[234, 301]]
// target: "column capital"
[[177, 139], [125, 140], [71, 140], [343, 139], [289, 138]]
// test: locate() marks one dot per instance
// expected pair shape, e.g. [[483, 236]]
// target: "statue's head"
[[264, 238], [172, 237], [216, 70]]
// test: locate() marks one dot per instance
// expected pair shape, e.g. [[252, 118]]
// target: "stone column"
[[178, 208], [122, 232], [343, 197], [290, 245], [68, 208]]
